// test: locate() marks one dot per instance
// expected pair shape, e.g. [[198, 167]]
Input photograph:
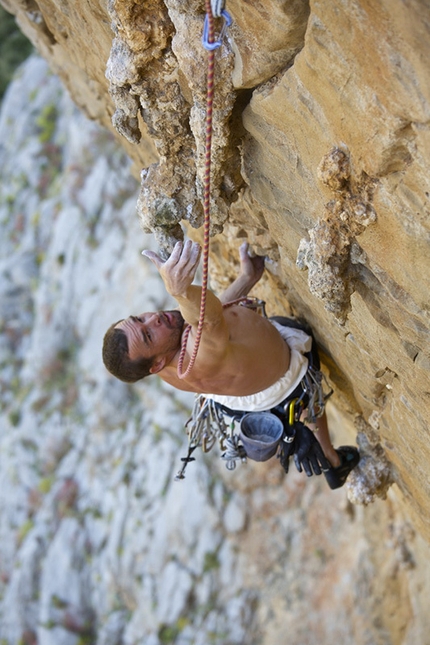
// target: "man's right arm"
[[178, 274]]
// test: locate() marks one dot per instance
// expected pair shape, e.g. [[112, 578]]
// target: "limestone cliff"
[[321, 150]]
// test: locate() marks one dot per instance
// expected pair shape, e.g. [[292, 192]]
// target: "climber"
[[245, 361]]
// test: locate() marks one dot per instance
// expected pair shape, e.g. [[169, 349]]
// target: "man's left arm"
[[251, 270]]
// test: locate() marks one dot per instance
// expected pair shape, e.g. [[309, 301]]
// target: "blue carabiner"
[[217, 43]]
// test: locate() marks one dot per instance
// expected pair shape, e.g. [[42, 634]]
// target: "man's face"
[[153, 334]]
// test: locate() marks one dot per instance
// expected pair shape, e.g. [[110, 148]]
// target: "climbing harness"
[[210, 422], [213, 8]]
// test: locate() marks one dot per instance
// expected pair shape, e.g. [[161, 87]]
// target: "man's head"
[[141, 345]]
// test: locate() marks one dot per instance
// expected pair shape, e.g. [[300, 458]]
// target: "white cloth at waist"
[[299, 343]]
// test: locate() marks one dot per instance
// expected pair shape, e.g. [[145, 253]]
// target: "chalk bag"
[[260, 433]]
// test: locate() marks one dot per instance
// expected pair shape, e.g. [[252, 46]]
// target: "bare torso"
[[254, 357]]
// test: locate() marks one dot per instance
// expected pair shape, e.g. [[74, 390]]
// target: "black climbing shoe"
[[349, 457]]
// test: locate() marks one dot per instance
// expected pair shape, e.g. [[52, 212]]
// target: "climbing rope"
[[214, 8]]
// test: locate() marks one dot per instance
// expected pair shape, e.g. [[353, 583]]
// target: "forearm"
[[190, 304], [238, 289]]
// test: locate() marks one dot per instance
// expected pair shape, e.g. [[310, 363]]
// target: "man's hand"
[[179, 270], [251, 268], [308, 453], [287, 446]]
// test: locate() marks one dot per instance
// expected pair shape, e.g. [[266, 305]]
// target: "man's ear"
[[158, 365]]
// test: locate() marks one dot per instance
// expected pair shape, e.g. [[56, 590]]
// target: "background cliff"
[[320, 158]]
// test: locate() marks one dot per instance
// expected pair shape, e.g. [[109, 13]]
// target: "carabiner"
[[217, 43], [291, 411]]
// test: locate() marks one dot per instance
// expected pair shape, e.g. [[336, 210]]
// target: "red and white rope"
[[206, 205]]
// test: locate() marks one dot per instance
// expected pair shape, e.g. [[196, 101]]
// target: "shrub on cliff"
[[14, 48]]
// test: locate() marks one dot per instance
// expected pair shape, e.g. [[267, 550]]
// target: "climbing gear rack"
[[207, 425]]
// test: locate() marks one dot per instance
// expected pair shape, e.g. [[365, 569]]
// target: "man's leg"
[[321, 432], [346, 457], [343, 460]]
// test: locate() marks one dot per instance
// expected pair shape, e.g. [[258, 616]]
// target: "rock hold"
[[327, 253], [372, 477]]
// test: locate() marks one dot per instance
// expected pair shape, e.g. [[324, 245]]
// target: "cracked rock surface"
[[297, 84], [98, 543]]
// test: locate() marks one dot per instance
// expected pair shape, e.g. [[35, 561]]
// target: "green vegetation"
[[58, 602], [24, 530], [15, 417], [14, 49], [211, 561], [46, 123], [168, 634], [46, 484]]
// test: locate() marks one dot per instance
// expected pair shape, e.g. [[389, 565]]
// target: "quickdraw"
[[207, 425], [312, 385]]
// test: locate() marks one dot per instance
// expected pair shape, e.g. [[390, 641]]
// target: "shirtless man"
[[241, 353]]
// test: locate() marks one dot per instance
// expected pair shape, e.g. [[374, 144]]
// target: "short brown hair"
[[117, 360]]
